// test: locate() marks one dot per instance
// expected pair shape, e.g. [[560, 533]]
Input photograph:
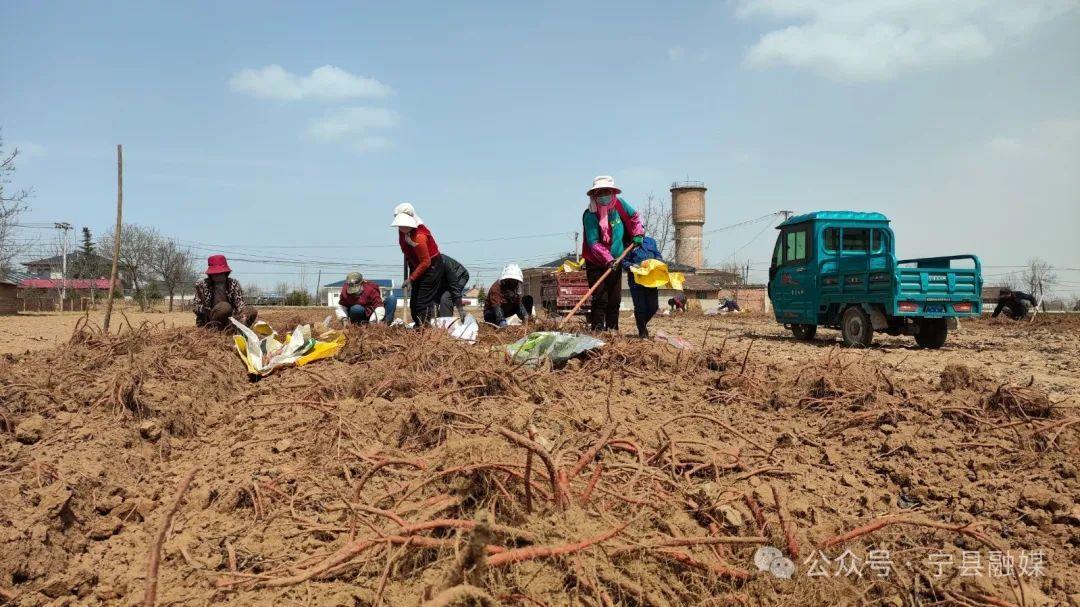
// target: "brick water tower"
[[688, 215]]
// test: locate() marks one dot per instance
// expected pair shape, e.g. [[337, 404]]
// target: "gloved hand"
[[344, 321], [614, 265], [405, 285], [638, 240], [461, 312], [502, 324]]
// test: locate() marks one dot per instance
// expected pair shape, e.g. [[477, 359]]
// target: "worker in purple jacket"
[[606, 223]]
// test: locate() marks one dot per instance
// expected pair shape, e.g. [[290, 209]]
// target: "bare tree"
[[735, 269], [12, 205], [172, 265], [1039, 277], [656, 216], [137, 249]]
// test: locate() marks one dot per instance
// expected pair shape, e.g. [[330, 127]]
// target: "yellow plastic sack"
[[325, 348], [571, 266], [264, 354], [654, 274]]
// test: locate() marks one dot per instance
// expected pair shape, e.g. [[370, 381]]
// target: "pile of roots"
[[413, 469]]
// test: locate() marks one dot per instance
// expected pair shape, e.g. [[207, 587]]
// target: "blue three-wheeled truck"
[[838, 269]]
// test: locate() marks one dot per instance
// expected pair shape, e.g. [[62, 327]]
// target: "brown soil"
[[415, 470]]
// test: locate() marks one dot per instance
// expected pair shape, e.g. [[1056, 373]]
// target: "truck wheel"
[[804, 332], [855, 327], [932, 333]]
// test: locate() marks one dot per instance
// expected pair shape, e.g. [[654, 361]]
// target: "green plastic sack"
[[535, 348]]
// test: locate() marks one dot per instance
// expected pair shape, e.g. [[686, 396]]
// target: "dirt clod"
[[30, 430]]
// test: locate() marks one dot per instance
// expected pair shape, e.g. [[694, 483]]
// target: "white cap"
[[404, 220], [512, 271], [603, 181]]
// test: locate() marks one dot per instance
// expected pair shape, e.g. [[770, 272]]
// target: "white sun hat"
[[408, 209], [512, 271], [404, 220], [603, 181]]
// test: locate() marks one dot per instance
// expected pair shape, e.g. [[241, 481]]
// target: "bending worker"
[[426, 280], [457, 280], [361, 302], [606, 222], [677, 303], [218, 297], [504, 298], [1014, 303]]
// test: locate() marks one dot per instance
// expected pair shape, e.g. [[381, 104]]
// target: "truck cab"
[[838, 269]]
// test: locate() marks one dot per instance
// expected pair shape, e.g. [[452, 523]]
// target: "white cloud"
[[327, 83], [354, 126], [865, 40], [682, 53]]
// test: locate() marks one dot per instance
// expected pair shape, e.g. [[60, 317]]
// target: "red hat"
[[216, 264]]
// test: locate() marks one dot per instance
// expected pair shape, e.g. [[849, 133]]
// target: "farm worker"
[[729, 305], [504, 298], [457, 280], [361, 302], [218, 297], [646, 299], [609, 224], [426, 281], [1013, 303], [677, 303]]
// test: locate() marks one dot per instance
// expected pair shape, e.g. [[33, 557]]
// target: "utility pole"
[[116, 236], [786, 215], [64, 228], [575, 246], [318, 287]]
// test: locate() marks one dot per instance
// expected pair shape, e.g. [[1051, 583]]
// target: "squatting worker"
[[606, 223], [426, 281], [218, 297], [504, 298], [1014, 303], [361, 302], [677, 303], [646, 299]]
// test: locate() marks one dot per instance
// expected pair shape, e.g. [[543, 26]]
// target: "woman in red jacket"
[[427, 273]]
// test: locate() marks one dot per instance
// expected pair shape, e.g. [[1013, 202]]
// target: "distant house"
[[9, 297], [990, 294], [43, 294], [77, 263], [702, 284]]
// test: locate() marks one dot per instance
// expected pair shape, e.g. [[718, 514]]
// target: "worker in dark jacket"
[[504, 298], [219, 298], [1014, 303], [646, 299], [457, 280]]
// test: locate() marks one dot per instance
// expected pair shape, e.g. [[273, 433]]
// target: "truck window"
[[878, 244], [795, 246], [830, 240], [856, 240], [778, 251]]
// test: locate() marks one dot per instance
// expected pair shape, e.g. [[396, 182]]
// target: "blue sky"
[[268, 127]]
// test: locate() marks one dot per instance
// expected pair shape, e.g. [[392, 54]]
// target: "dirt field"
[[415, 470], [42, 330]]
